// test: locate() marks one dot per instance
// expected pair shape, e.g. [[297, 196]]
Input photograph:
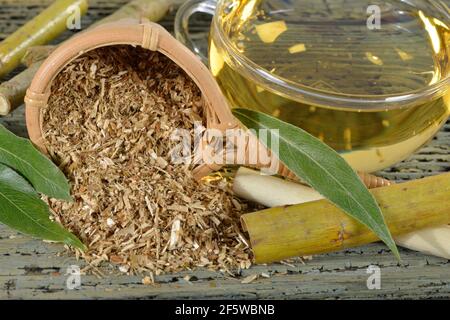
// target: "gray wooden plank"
[[33, 269]]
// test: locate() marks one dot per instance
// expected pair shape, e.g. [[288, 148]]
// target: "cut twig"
[[43, 28], [12, 92], [319, 227], [273, 192], [154, 10]]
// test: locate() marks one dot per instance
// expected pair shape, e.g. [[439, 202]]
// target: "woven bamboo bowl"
[[153, 37], [142, 33]]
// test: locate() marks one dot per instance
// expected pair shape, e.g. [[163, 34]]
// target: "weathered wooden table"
[[32, 269]]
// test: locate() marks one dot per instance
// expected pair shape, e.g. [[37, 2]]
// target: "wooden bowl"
[[142, 33]]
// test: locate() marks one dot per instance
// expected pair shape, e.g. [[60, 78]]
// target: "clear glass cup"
[[369, 78]]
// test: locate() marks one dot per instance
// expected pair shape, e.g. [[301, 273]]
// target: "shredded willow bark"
[[108, 124]]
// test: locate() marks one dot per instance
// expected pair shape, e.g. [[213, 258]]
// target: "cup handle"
[[182, 23]]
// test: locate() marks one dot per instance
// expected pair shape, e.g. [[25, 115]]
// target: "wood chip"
[[175, 234], [147, 281], [249, 279]]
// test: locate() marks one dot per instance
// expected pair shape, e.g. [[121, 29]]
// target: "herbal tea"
[[329, 46]]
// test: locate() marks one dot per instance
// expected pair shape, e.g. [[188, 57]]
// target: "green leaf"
[[23, 210], [324, 170], [20, 154]]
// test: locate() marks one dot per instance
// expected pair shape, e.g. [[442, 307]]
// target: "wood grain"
[[31, 269]]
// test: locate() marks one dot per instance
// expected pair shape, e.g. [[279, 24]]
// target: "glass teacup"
[[369, 78]]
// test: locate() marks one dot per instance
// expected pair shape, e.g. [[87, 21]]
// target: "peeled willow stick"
[[41, 29], [271, 192], [13, 92], [319, 226], [433, 241]]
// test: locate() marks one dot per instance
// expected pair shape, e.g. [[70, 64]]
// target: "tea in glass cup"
[[369, 78]]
